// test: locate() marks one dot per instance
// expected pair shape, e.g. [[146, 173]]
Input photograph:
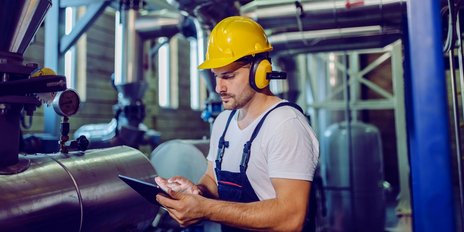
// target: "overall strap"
[[247, 145], [222, 143]]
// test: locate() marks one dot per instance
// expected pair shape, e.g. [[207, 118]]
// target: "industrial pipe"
[[429, 143], [333, 40], [127, 46], [323, 14], [77, 192], [158, 24]]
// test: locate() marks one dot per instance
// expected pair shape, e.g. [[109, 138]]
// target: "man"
[[263, 153]]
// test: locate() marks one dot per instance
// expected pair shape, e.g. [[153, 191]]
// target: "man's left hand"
[[185, 208]]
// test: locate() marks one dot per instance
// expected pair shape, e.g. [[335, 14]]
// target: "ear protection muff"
[[259, 70]]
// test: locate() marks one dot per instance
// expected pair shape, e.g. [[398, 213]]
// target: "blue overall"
[[235, 186]]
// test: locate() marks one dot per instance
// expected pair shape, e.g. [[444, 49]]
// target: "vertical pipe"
[[461, 57], [456, 129], [53, 59], [128, 55], [459, 160], [347, 93], [432, 197]]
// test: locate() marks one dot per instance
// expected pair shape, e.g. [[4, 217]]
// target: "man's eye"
[[228, 76]]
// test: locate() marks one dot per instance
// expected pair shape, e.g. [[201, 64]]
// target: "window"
[[75, 58], [69, 56], [197, 84], [168, 75]]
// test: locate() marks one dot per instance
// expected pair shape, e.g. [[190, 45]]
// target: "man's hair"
[[250, 58]]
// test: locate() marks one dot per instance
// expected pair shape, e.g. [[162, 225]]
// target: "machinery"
[[74, 189]]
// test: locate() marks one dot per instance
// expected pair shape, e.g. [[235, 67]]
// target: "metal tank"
[[353, 177], [181, 158], [79, 191]]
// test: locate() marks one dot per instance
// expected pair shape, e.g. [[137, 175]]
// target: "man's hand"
[[177, 184], [186, 208]]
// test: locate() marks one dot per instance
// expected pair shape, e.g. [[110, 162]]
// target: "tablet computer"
[[145, 189]]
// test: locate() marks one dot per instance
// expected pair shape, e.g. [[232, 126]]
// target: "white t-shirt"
[[285, 147]]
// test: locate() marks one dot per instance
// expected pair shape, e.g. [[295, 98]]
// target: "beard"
[[234, 102]]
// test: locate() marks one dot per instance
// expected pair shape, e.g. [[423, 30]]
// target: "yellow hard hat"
[[233, 38], [44, 72]]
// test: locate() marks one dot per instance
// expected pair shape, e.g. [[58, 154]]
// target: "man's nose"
[[220, 85]]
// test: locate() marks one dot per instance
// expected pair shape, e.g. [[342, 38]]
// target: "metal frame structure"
[[395, 101]]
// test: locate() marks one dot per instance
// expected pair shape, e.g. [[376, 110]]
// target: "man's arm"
[[207, 183], [286, 212]]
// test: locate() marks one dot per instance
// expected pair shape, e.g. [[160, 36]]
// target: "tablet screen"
[[147, 190]]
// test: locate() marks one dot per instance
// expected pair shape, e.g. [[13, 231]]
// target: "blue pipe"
[[428, 128]]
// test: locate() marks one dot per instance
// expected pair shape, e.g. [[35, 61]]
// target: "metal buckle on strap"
[[245, 156], [220, 153]]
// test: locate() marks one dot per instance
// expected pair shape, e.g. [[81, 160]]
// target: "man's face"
[[232, 85]]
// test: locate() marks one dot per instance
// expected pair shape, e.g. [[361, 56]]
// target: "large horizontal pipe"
[[324, 14], [158, 24], [333, 40], [77, 192]]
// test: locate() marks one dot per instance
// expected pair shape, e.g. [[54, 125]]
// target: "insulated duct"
[[209, 12], [79, 191], [158, 24], [325, 14], [333, 40], [316, 26]]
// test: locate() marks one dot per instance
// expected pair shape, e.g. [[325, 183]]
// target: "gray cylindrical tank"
[[181, 158], [355, 197], [77, 192]]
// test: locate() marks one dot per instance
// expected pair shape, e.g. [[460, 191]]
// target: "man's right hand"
[[178, 184]]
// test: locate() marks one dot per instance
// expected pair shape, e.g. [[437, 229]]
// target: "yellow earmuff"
[[258, 73]]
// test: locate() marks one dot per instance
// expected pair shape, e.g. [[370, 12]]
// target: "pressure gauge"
[[66, 103]]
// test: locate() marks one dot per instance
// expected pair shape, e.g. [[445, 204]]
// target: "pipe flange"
[[131, 4], [22, 165]]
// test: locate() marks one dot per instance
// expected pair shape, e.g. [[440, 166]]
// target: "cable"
[[452, 16]]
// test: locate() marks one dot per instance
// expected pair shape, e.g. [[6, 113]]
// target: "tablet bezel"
[[145, 189]]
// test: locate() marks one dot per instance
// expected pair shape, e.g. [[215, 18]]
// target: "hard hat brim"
[[221, 62], [216, 63]]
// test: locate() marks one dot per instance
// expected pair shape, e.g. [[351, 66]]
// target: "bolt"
[[3, 109], [5, 77], [32, 65]]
